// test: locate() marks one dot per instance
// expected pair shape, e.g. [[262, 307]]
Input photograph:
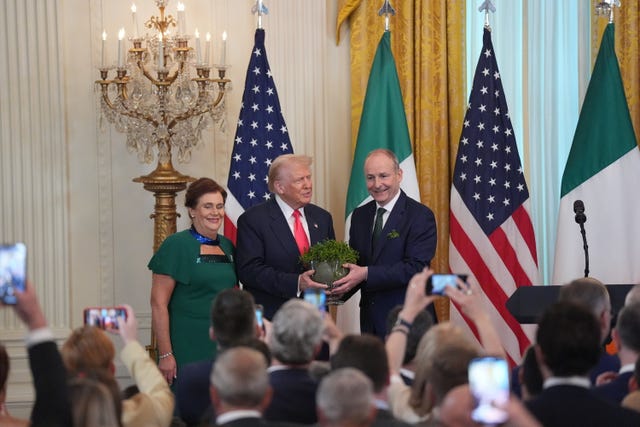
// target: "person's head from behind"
[[383, 175], [88, 349], [290, 179], [95, 401], [345, 398], [567, 340], [296, 333], [627, 331], [592, 294], [456, 407], [529, 375], [365, 353], [205, 200], [239, 380], [421, 324], [442, 360], [233, 318], [632, 296]]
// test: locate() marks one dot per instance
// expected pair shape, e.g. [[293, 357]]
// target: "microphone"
[[581, 218], [578, 209]]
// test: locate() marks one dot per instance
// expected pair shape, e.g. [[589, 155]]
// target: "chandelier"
[[162, 96]]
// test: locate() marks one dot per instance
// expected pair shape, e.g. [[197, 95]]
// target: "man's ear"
[[633, 384], [266, 400], [615, 336], [212, 333]]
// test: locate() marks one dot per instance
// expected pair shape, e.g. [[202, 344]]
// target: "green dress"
[[198, 279]]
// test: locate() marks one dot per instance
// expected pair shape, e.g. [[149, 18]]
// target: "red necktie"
[[298, 233]]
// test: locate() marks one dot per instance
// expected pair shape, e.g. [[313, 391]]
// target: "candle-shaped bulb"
[[120, 50], [103, 53], [207, 49], [198, 48], [223, 52], [134, 20], [160, 52], [181, 19]]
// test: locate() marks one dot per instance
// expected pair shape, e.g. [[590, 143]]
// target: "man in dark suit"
[[240, 388], [268, 252], [626, 335], [367, 354], [568, 346], [294, 340], [52, 407], [233, 323], [395, 237]]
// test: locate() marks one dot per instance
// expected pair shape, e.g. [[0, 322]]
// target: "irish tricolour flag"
[[603, 170]]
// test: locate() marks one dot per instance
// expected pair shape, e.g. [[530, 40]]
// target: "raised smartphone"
[[316, 297], [259, 314], [489, 384], [13, 271], [104, 317], [437, 283]]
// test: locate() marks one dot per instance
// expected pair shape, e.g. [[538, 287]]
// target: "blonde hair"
[[435, 360], [283, 162], [92, 404], [88, 349]]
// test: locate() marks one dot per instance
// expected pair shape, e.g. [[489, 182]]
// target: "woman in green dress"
[[189, 269]]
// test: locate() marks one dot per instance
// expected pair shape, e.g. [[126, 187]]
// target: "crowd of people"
[[218, 365]]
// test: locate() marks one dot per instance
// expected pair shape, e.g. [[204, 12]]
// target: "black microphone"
[[581, 218], [578, 209]]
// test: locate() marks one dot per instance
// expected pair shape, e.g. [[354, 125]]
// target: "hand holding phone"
[[437, 283], [13, 271], [489, 384], [104, 317]]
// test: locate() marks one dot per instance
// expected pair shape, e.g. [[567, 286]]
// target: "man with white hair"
[[345, 399], [295, 339]]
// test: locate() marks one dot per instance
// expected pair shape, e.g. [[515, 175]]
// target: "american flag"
[[261, 136], [491, 234]]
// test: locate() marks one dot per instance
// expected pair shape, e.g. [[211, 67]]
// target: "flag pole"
[[486, 7], [260, 9], [387, 10]]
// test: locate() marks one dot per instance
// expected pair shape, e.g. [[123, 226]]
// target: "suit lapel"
[[315, 233], [281, 230]]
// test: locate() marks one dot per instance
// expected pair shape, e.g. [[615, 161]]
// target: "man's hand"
[[356, 275], [305, 282]]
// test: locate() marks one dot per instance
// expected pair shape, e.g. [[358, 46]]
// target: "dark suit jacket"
[[405, 246], [52, 407], [384, 418], [568, 405], [616, 390], [192, 391], [267, 257], [294, 396]]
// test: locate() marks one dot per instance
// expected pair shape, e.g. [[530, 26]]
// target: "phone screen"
[[438, 282], [316, 297], [104, 317], [13, 271], [489, 384], [259, 313]]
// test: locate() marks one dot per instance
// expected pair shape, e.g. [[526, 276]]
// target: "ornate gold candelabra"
[[162, 98]]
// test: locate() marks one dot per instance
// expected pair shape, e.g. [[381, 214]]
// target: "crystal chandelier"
[[162, 96]]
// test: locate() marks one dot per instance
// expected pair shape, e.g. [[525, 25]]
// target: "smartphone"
[[438, 282], [259, 313], [489, 384], [317, 297], [13, 271], [104, 317]]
